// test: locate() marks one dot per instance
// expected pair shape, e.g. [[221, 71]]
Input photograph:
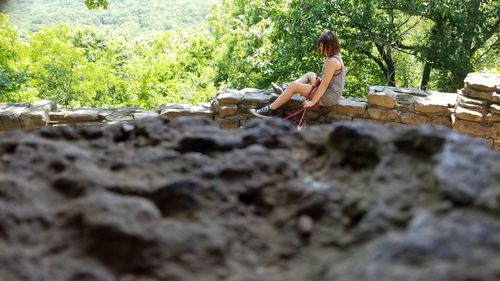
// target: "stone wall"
[[478, 108], [475, 110], [45, 113], [384, 104]]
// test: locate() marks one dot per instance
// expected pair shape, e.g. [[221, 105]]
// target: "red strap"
[[309, 96]]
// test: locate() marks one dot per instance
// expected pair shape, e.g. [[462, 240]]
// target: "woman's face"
[[320, 48]]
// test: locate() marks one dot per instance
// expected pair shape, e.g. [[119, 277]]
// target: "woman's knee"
[[311, 76], [293, 85]]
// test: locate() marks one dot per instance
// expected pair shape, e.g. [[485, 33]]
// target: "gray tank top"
[[337, 83]]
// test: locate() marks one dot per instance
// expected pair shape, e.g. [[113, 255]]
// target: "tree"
[[366, 33], [12, 77], [446, 35], [244, 31], [103, 70], [460, 31], [56, 65], [96, 4], [277, 40], [95, 68], [175, 67]]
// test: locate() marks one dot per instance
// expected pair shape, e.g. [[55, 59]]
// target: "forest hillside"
[[128, 15]]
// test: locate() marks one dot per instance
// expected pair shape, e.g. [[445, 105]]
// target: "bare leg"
[[302, 86], [294, 87], [308, 78]]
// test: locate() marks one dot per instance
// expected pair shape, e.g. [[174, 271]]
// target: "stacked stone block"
[[232, 107], [45, 113], [25, 116], [478, 108], [172, 110], [410, 106], [89, 117], [382, 105]]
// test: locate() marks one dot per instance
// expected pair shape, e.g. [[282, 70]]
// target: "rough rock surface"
[[184, 200]]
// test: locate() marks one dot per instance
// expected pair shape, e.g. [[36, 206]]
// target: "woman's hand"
[[317, 82], [308, 103]]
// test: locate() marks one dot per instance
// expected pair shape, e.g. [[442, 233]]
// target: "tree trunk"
[[458, 78], [391, 74], [426, 75], [390, 70]]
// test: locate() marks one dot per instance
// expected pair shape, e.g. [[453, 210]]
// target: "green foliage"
[[12, 77], [385, 42], [276, 41], [9, 42], [56, 66], [461, 34], [174, 68], [96, 4], [125, 16], [76, 69], [142, 55], [244, 36], [90, 68]]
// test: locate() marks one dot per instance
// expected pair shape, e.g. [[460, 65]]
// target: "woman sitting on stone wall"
[[330, 86]]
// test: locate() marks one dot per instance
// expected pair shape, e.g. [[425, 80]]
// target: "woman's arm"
[[332, 65]]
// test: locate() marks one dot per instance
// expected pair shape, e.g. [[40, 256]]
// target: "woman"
[[332, 80]]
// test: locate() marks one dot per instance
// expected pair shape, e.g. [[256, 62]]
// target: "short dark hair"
[[331, 44]]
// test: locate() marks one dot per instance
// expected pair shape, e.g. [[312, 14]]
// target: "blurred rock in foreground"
[[184, 200]]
